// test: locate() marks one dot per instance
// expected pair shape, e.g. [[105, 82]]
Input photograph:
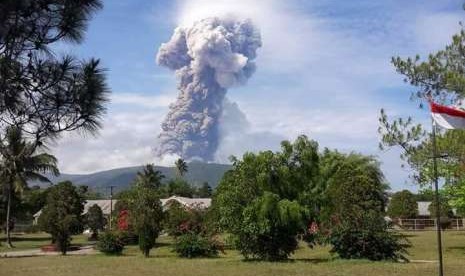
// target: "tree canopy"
[[403, 205], [41, 93], [62, 215], [270, 197], [439, 78]]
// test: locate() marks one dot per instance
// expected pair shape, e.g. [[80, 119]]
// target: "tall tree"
[[40, 93], [145, 213], [441, 78], [21, 161], [181, 167]]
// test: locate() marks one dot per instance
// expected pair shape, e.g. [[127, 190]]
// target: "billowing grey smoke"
[[209, 57]]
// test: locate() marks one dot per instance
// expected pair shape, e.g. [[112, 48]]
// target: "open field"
[[306, 261]]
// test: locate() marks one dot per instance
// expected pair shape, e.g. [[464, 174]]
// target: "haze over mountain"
[[122, 178]]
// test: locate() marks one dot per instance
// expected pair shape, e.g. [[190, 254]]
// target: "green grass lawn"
[[35, 241], [314, 262]]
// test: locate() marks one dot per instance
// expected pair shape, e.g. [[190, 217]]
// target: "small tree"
[[61, 217], [145, 211], [403, 205], [95, 220]]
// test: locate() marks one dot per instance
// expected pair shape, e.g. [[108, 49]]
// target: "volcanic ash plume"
[[209, 57]]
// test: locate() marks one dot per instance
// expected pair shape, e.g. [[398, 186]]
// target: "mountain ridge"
[[198, 173]]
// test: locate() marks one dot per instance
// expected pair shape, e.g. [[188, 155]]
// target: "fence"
[[429, 224]]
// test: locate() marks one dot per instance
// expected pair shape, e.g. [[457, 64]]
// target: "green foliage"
[[353, 218], [439, 78], [178, 187], [150, 177], [95, 220], [110, 244], [441, 75], [425, 195], [145, 210], [179, 220], [192, 245], [445, 210], [270, 228], [355, 185], [21, 161], [175, 216], [456, 195], [403, 205], [370, 240], [147, 236], [61, 216], [268, 198]]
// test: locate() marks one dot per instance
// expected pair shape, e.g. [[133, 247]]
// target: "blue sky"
[[324, 70]]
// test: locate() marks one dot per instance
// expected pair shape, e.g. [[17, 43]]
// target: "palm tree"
[[19, 163], [181, 167]]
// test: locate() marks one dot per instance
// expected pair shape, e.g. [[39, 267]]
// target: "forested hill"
[[198, 173]]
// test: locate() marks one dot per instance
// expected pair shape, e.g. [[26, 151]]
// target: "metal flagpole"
[[436, 195]]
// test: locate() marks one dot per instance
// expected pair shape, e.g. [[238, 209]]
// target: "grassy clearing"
[[306, 261]]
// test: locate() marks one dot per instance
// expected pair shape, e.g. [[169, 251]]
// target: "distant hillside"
[[198, 173]]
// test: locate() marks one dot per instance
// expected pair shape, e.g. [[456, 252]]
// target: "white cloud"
[[127, 138], [131, 99]]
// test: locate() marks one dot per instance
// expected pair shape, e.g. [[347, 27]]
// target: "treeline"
[[266, 204]]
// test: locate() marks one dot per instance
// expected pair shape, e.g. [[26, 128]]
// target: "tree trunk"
[[8, 215]]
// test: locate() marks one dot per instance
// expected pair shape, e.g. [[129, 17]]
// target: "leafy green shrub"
[[110, 244], [270, 228], [174, 217], [193, 245], [373, 241], [267, 199]]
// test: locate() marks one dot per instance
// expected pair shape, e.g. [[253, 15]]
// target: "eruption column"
[[209, 57]]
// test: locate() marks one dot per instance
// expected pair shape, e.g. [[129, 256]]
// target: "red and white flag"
[[447, 117]]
